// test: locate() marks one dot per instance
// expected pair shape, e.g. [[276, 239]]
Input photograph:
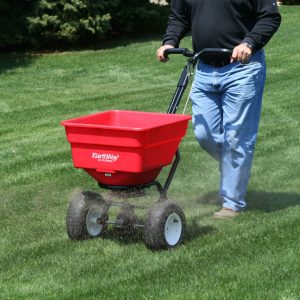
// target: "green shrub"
[[138, 16], [68, 22], [61, 23], [290, 2]]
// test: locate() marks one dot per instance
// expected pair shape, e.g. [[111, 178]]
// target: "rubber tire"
[[77, 213], [154, 227]]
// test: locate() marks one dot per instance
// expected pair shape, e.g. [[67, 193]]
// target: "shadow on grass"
[[116, 41], [211, 198], [195, 230], [271, 201], [13, 61], [259, 200], [121, 41], [22, 58]]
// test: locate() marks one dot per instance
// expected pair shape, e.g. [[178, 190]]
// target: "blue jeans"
[[226, 105]]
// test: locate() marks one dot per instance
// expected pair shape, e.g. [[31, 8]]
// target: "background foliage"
[[60, 23], [12, 22], [290, 2], [64, 23]]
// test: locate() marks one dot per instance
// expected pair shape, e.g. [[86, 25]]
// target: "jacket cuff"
[[170, 42], [249, 41]]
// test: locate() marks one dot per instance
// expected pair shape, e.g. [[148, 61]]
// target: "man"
[[227, 91]]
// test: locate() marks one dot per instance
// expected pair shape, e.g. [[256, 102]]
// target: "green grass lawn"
[[255, 256]]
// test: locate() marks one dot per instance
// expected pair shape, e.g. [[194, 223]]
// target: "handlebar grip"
[[183, 51], [212, 51], [215, 51]]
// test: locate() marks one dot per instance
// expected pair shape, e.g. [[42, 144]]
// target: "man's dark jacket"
[[222, 23]]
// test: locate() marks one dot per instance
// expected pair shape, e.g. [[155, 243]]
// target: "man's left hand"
[[241, 53]]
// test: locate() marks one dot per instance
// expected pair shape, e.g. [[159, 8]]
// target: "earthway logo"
[[106, 157]]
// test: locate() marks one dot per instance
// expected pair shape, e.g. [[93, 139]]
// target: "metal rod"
[[138, 225], [163, 194], [123, 204], [113, 222], [181, 86]]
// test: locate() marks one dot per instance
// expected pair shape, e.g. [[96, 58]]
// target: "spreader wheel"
[[165, 225], [86, 216]]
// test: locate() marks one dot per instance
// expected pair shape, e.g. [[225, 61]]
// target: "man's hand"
[[160, 53], [241, 53]]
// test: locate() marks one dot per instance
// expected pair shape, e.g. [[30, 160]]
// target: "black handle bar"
[[195, 56], [184, 51]]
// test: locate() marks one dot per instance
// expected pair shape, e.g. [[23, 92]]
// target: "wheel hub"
[[173, 229], [94, 222]]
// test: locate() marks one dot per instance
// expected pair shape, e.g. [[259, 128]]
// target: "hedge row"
[[59, 23], [290, 2]]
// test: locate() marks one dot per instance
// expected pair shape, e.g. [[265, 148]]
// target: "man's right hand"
[[160, 53]]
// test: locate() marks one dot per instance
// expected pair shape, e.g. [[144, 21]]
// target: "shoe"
[[226, 213]]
